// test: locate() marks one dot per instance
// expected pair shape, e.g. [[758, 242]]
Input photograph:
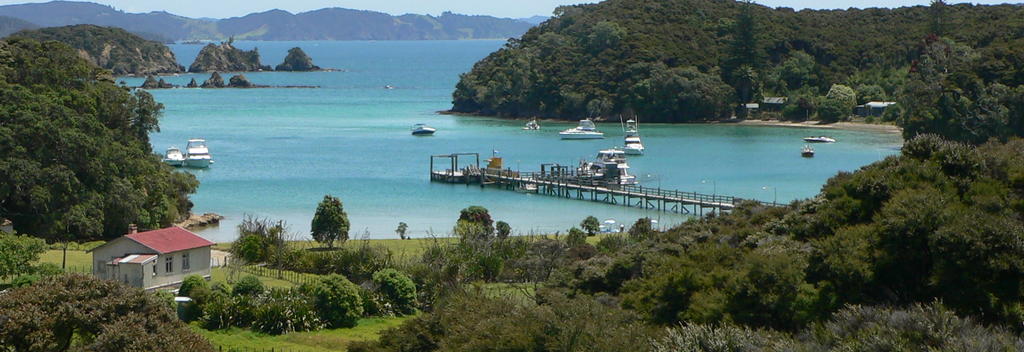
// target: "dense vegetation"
[[112, 48], [81, 313], [322, 24], [686, 60], [74, 149]]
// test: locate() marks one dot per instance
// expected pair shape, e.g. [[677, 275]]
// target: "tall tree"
[[330, 223], [744, 56]]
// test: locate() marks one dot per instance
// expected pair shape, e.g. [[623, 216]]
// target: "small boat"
[[174, 157], [609, 166], [632, 144], [807, 152], [532, 125], [197, 154], [389, 86], [819, 139], [422, 130], [585, 130]]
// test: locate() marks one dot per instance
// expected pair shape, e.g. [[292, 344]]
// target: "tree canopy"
[[74, 149], [330, 223]]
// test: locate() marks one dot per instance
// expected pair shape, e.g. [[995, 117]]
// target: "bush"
[[575, 238], [249, 286], [337, 300], [831, 110], [591, 225], [502, 229], [641, 229], [190, 283], [612, 243], [24, 280], [398, 289], [283, 311]]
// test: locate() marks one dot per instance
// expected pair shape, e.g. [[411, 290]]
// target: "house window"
[[169, 265], [154, 268], [184, 262]]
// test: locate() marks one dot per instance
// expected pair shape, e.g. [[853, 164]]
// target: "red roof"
[[171, 239]]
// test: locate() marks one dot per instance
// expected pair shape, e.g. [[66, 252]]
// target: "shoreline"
[[845, 125]]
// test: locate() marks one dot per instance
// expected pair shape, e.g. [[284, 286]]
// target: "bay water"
[[278, 151]]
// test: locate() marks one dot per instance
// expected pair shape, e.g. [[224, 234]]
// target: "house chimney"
[[132, 229]]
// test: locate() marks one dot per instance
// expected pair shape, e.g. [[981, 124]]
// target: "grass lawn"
[[312, 341], [78, 261]]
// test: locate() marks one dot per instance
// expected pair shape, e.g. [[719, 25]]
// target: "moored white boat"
[[610, 166], [197, 154], [422, 130], [585, 130], [174, 157], [807, 152], [632, 144], [819, 139], [532, 125]]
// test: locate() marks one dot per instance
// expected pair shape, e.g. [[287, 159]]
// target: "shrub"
[[641, 229], [283, 311], [724, 338], [330, 223], [575, 238], [190, 283], [24, 280], [591, 225], [47, 270], [502, 229], [337, 300], [249, 286], [398, 289], [612, 243]]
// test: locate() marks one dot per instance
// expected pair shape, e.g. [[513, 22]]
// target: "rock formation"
[[297, 60], [192, 84], [115, 49], [215, 81], [225, 57], [152, 83], [239, 81]]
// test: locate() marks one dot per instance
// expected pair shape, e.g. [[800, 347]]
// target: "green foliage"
[[591, 225], [53, 102], [260, 241], [17, 253], [502, 229], [575, 237], [400, 230], [398, 289], [191, 283], [330, 223], [282, 311], [474, 224], [337, 301], [641, 229], [248, 286], [79, 312], [832, 110]]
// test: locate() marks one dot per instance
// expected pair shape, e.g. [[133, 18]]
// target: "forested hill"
[[111, 48], [681, 60], [323, 24], [10, 25]]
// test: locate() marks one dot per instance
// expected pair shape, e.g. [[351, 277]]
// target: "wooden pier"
[[565, 182]]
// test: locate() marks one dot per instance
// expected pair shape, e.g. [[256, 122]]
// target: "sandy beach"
[[852, 126]]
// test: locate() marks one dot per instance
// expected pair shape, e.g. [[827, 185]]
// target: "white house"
[[153, 259]]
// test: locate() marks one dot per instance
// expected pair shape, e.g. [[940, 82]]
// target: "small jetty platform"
[[566, 182]]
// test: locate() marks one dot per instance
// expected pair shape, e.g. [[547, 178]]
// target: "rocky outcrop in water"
[[226, 58], [153, 83], [239, 81], [215, 81], [192, 84], [297, 60], [198, 221]]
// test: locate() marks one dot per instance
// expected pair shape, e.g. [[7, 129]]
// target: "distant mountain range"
[[323, 24], [10, 25]]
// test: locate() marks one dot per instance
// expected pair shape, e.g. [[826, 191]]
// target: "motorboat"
[[807, 152], [610, 167], [197, 154], [174, 157], [819, 139], [422, 130], [388, 86], [532, 125], [585, 130], [632, 144]]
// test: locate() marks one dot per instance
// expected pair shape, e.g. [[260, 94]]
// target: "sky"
[[499, 8]]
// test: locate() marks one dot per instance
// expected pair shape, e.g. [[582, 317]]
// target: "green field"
[[314, 341]]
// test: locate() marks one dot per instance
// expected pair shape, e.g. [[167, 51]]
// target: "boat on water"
[[807, 152], [174, 157], [197, 154], [422, 130], [609, 167], [532, 125], [819, 139], [632, 144], [585, 130]]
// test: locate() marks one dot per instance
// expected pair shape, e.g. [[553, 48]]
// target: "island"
[[115, 49], [225, 57], [297, 60]]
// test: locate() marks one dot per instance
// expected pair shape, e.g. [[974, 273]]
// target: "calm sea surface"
[[278, 151]]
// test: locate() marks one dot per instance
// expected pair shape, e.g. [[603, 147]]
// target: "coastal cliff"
[[227, 58], [297, 60], [115, 49]]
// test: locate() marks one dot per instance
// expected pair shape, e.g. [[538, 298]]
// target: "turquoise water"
[[278, 151]]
